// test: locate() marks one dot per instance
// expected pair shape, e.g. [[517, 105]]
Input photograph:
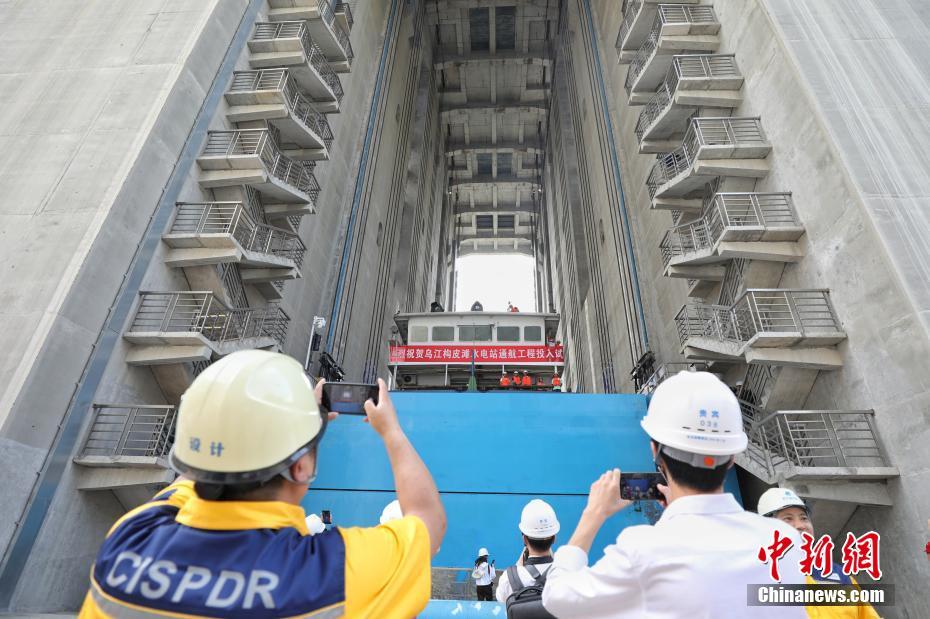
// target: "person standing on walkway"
[[700, 557], [538, 527], [229, 537], [484, 574]]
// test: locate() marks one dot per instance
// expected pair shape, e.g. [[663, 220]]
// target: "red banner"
[[484, 355]]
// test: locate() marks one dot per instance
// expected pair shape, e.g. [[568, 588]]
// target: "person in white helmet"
[[315, 524], [229, 537], [483, 575], [701, 555], [391, 511], [785, 505], [538, 526]]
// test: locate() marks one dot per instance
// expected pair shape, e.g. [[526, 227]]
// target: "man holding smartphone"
[[229, 537], [700, 557]]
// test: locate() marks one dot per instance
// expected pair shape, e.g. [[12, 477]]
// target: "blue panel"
[[439, 609], [490, 454], [496, 442], [477, 520]]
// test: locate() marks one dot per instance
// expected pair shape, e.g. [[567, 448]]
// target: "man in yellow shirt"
[[788, 507], [229, 537]]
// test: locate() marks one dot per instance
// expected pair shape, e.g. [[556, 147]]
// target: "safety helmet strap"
[[701, 461]]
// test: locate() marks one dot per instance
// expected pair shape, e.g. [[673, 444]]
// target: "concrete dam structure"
[[737, 186]]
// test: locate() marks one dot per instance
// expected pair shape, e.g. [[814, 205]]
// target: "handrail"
[[688, 66], [130, 430], [326, 11], [666, 14], [268, 31], [343, 37], [812, 438], [630, 9], [704, 131], [800, 311], [234, 219], [758, 211], [297, 103], [344, 9], [667, 370], [202, 312], [252, 142]]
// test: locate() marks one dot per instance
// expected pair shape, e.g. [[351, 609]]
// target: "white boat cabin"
[[444, 350]]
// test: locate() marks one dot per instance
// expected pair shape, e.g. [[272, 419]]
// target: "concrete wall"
[[843, 177], [96, 102], [370, 295], [55, 577]]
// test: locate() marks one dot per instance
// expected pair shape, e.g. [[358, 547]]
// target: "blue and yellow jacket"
[[854, 611], [181, 556]]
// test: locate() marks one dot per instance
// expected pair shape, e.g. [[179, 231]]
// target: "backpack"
[[526, 602]]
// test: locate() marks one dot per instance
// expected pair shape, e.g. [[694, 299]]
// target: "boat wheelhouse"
[[444, 350]]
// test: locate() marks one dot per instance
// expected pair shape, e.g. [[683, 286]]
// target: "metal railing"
[[201, 312], [701, 132], [343, 8], [803, 311], [269, 31], [130, 430], [232, 218], [343, 37], [756, 211], [326, 11], [246, 142], [667, 370], [690, 66], [667, 14], [812, 439], [630, 9], [806, 312], [297, 103], [703, 320]]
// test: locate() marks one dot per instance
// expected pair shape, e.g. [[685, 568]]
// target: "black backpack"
[[526, 602]]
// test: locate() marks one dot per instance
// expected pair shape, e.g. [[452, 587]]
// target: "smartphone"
[[326, 516], [348, 398], [641, 486]]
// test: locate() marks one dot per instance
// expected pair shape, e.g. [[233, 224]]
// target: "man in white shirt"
[[699, 558], [539, 526]]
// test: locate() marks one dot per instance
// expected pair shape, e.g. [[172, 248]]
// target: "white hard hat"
[[776, 499], [483, 552], [246, 418], [697, 420], [538, 520], [391, 512], [315, 524]]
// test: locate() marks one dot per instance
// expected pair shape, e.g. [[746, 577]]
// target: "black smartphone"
[[641, 486], [348, 398], [326, 516]]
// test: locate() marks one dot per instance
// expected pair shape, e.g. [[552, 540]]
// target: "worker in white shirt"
[[539, 526], [701, 555], [483, 574]]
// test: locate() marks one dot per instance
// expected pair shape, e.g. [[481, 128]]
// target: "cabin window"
[[532, 334], [443, 334], [505, 27], [475, 333], [418, 334], [480, 28], [508, 334]]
